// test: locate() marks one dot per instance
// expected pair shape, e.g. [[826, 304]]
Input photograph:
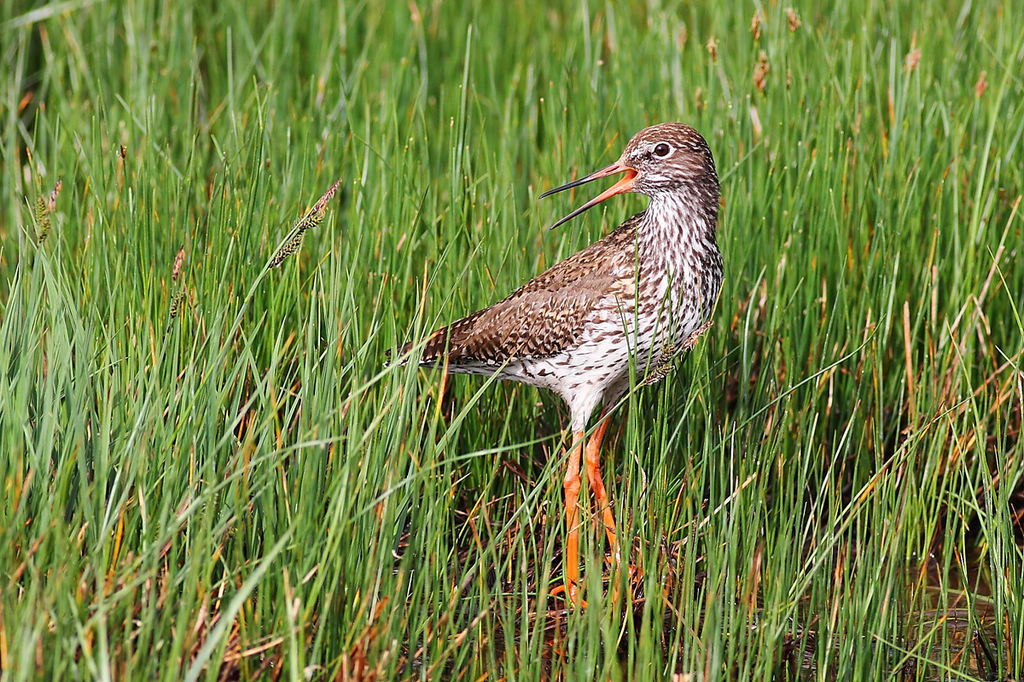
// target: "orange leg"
[[592, 459], [572, 492]]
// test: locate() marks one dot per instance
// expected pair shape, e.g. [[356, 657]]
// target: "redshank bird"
[[639, 295]]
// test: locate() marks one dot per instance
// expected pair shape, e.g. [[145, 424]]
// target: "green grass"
[[829, 487]]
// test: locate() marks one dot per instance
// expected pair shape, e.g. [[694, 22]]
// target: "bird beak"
[[625, 184]]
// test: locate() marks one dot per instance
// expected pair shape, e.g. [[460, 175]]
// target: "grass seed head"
[[312, 218], [755, 124], [761, 72], [176, 300], [42, 210], [42, 220], [712, 47], [755, 25], [793, 19], [290, 246], [912, 60], [981, 86], [179, 260], [52, 203]]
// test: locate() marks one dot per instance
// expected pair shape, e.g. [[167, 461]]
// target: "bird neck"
[[676, 238], [676, 222]]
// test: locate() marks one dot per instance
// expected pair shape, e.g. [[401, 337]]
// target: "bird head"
[[664, 158]]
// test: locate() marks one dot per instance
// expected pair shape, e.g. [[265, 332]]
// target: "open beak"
[[625, 184]]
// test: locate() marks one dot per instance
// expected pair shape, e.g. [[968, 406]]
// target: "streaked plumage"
[[644, 291]]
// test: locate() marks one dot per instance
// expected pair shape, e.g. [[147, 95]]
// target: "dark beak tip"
[[562, 188]]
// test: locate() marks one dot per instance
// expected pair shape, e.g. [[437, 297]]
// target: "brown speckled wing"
[[546, 315]]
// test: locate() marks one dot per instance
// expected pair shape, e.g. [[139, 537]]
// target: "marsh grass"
[[208, 470]]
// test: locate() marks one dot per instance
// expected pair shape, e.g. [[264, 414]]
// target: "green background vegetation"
[[207, 469]]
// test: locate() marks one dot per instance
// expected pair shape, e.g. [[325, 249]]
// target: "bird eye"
[[662, 150]]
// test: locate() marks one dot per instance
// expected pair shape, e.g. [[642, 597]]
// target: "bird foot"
[[572, 594]]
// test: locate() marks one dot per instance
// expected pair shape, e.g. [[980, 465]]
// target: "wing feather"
[[548, 314]]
